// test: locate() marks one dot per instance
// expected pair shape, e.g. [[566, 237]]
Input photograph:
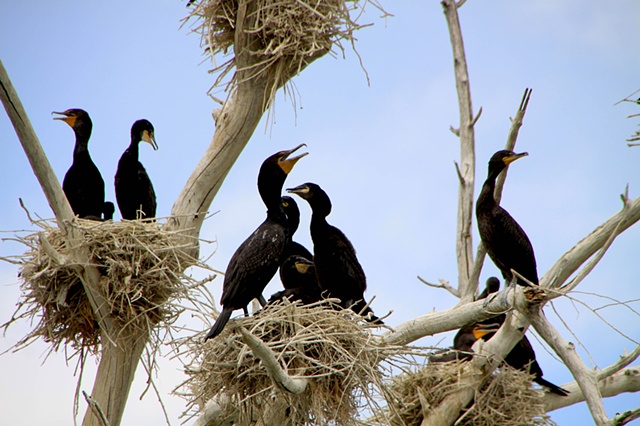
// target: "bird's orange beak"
[[286, 163], [67, 118]]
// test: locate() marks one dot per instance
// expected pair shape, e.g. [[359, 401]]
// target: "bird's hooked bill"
[[150, 138], [300, 189], [287, 163], [66, 117], [510, 159], [481, 330]]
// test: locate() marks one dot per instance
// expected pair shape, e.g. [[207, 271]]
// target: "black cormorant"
[[83, 184], [257, 259], [522, 356], [134, 190], [339, 273], [505, 241], [492, 286], [298, 275], [293, 220]]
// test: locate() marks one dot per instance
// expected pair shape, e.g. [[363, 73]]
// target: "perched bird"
[[134, 190], [506, 243], [108, 211], [83, 184], [337, 268], [522, 356], [297, 272], [492, 286], [470, 334], [298, 275], [257, 259], [293, 221]]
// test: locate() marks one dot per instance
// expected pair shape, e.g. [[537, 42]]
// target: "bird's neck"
[[81, 150], [318, 225], [276, 214], [134, 148], [486, 197]]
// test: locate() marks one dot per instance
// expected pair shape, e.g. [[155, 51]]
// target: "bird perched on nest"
[[339, 273], [134, 190], [293, 221], [506, 243], [521, 357], [297, 272], [83, 184], [298, 276], [257, 259]]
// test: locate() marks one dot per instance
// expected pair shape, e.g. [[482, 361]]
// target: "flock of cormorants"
[[83, 184], [333, 269]]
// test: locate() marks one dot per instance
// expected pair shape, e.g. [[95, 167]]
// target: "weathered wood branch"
[[626, 417], [626, 380], [279, 376], [571, 261], [585, 377], [449, 319], [466, 167], [623, 362], [213, 413]]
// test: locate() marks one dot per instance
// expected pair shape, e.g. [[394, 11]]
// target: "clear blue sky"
[[382, 152]]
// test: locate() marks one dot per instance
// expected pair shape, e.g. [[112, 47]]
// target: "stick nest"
[[506, 399], [141, 268], [334, 349], [281, 36]]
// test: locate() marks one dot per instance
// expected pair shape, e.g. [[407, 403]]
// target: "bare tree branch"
[[280, 377], [585, 377], [95, 408], [624, 361], [583, 250], [626, 417], [449, 319], [627, 380], [213, 413], [466, 168], [443, 284]]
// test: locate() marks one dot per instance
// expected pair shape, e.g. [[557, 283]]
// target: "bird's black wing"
[[84, 187], [345, 261], [146, 193], [511, 248], [253, 265]]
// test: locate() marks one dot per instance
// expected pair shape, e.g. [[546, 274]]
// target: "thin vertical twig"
[[466, 168]]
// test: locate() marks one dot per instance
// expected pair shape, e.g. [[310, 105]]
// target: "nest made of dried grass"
[[285, 35], [142, 273], [506, 399], [335, 349]]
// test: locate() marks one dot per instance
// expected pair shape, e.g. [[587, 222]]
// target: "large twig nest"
[[506, 399], [281, 37], [142, 273], [334, 349]]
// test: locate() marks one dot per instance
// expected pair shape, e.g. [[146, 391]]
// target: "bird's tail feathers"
[[361, 308], [218, 326], [552, 388]]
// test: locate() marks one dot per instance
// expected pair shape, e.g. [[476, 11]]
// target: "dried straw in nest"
[[506, 399], [141, 268], [285, 35], [334, 349]]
